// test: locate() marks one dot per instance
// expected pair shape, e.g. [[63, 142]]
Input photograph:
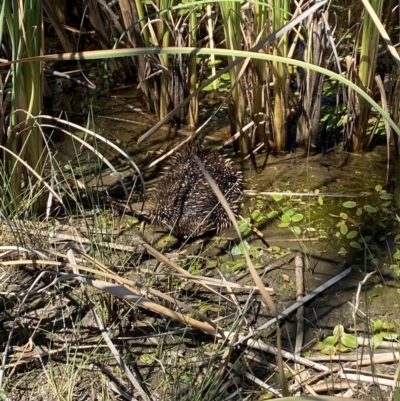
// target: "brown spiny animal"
[[183, 200]]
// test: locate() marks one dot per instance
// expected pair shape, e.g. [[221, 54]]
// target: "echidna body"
[[183, 200]]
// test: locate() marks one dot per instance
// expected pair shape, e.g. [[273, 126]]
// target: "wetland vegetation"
[[299, 298]]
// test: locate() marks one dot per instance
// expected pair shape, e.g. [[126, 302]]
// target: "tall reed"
[[24, 25], [366, 76], [231, 19]]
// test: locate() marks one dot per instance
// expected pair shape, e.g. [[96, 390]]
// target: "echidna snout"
[[183, 200]]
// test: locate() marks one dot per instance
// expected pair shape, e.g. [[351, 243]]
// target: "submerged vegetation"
[[95, 307]]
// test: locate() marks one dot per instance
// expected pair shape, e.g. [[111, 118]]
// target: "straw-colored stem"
[[193, 114], [366, 74]]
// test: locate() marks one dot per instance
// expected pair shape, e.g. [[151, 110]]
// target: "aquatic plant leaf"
[[376, 341], [341, 347], [331, 350], [283, 225], [352, 234], [318, 346], [397, 255], [370, 209], [288, 211], [378, 188], [349, 204], [389, 335], [348, 340], [330, 341], [240, 248], [297, 217], [344, 229], [295, 230], [338, 331], [342, 251], [344, 216], [285, 218], [277, 198], [378, 325], [355, 245], [386, 196], [273, 215], [320, 200], [256, 215]]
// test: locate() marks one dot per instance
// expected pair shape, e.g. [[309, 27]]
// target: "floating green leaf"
[[352, 234], [285, 218], [386, 196], [297, 217], [277, 198], [397, 255], [344, 216], [355, 245], [344, 229], [288, 211], [330, 341], [283, 225], [256, 216], [240, 248], [273, 215], [320, 200], [378, 188], [370, 209], [348, 340], [349, 204]]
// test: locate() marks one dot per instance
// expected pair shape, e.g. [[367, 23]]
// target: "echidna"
[[183, 200]]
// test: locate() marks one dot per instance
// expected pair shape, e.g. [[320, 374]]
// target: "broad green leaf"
[[341, 347], [297, 217], [318, 346], [388, 335], [273, 215], [370, 209], [283, 225], [288, 211], [240, 248], [378, 188], [376, 341], [338, 331], [330, 341], [352, 234], [344, 229], [348, 340], [349, 204], [344, 216], [285, 218], [331, 350], [277, 198], [378, 325], [355, 245], [386, 196], [397, 255]]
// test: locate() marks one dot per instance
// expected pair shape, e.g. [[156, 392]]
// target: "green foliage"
[[383, 331], [340, 341]]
